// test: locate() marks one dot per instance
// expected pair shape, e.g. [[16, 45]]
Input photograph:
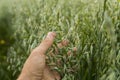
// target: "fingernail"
[[51, 35], [74, 49]]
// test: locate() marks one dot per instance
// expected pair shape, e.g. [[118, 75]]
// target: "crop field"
[[91, 26]]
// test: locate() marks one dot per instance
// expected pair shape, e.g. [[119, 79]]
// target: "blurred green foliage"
[[93, 26], [6, 39]]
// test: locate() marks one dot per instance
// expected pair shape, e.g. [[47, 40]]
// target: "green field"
[[93, 26]]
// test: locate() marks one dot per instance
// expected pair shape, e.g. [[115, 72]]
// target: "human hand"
[[35, 67]]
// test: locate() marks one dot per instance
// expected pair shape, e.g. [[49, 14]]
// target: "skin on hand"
[[35, 67]]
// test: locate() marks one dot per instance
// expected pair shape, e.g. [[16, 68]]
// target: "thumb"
[[46, 43]]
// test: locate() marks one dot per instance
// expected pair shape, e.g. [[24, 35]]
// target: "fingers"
[[50, 75], [48, 40], [73, 51], [56, 75], [63, 43], [46, 43]]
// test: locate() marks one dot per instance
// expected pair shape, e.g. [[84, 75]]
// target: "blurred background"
[[6, 37]]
